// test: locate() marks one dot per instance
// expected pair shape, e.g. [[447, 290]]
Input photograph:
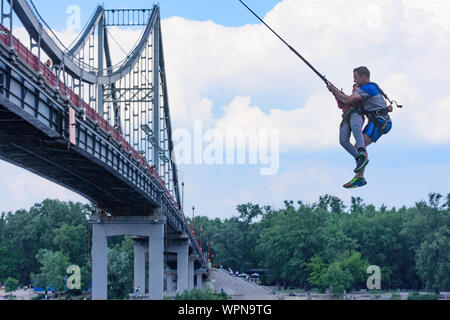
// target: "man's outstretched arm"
[[354, 98]]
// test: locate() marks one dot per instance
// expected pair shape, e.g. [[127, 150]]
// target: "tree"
[[86, 275], [120, 270], [53, 270], [317, 269], [433, 260], [357, 205], [297, 245], [11, 285], [248, 212], [434, 199], [289, 238], [386, 277], [21, 245], [346, 272], [422, 222], [352, 262], [331, 202], [337, 279], [8, 261], [447, 203], [72, 241], [23, 233], [337, 242], [235, 243]]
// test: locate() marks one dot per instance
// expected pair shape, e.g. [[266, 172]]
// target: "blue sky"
[[228, 72], [224, 12]]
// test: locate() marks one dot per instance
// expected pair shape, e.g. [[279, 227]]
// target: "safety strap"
[[379, 113], [347, 114], [385, 95]]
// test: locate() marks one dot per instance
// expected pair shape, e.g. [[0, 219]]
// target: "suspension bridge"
[[102, 129]]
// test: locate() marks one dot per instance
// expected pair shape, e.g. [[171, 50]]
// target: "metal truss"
[[127, 17]]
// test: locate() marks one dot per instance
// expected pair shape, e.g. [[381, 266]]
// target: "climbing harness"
[[381, 118], [385, 95]]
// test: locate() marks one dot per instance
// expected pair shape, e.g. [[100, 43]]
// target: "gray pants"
[[354, 125]]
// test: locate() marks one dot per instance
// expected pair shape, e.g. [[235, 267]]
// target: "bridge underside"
[[28, 144]]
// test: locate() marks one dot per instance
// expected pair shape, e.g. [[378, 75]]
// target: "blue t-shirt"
[[372, 98]]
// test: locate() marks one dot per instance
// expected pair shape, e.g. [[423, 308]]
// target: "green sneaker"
[[361, 162], [355, 183]]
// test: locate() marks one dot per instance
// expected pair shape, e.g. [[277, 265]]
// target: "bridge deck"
[[24, 145]]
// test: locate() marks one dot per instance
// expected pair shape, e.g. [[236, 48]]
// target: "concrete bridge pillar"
[[169, 281], [191, 274], [142, 227], [140, 249], [99, 263], [199, 278], [182, 251], [156, 262]]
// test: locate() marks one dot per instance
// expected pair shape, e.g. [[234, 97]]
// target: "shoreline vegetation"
[[317, 246]]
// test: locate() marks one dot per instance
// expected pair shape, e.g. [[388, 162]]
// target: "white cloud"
[[312, 127], [404, 44], [432, 121], [20, 189], [244, 77]]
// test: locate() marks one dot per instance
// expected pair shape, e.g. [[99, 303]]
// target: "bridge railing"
[[31, 60]]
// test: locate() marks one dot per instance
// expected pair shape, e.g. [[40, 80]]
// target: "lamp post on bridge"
[[209, 253], [193, 219], [201, 242], [182, 197]]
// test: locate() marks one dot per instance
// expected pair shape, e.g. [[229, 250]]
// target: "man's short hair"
[[362, 71]]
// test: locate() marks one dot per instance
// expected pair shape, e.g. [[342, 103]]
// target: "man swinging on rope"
[[367, 99], [373, 105]]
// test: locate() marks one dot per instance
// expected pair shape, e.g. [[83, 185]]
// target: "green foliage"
[[299, 243], [199, 294], [248, 212], [347, 271], [39, 296], [418, 296], [395, 296], [53, 270], [86, 275], [120, 270], [317, 269], [53, 225], [337, 279], [320, 245], [233, 241], [288, 240], [72, 241], [433, 260], [331, 203], [352, 262], [357, 205], [11, 284]]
